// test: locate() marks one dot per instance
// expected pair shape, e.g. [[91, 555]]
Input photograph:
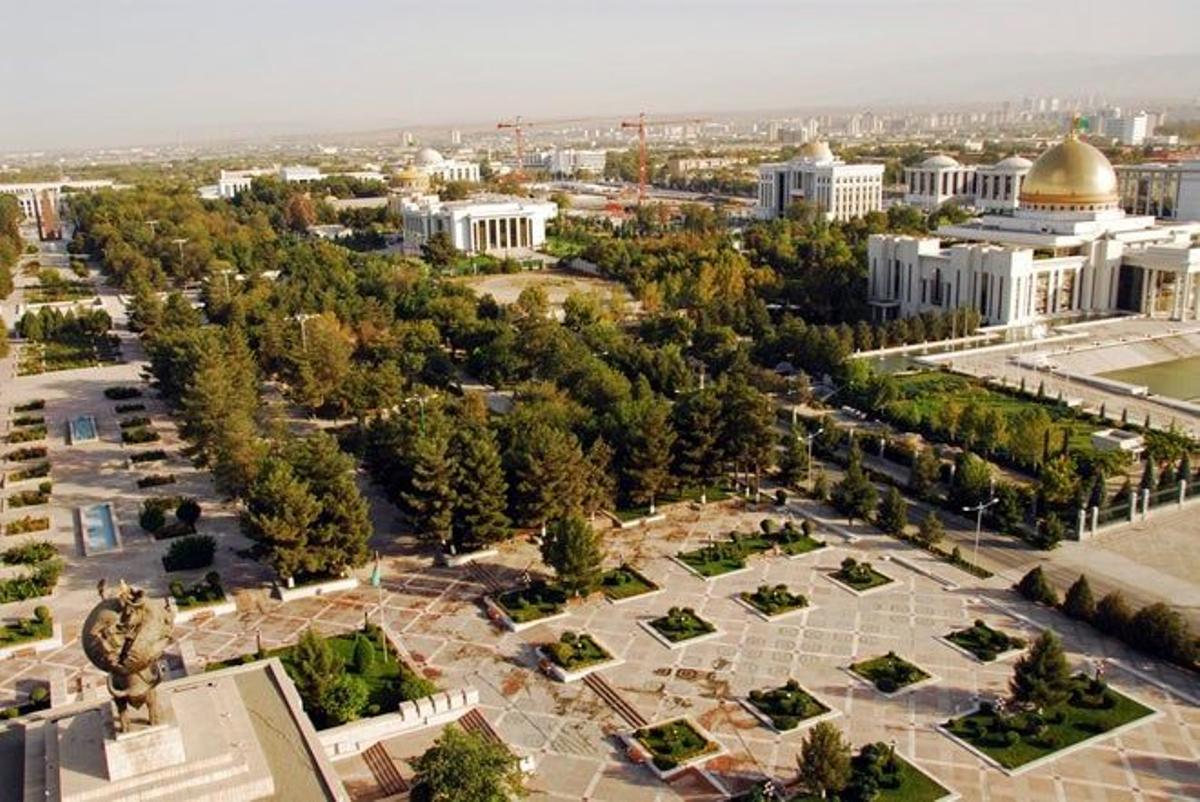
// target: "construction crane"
[[640, 124], [518, 127]]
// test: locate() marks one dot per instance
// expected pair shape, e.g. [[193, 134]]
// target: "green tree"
[[429, 497], [1079, 603], [1035, 587], [600, 488], [1113, 614], [972, 479], [930, 530], [1158, 630], [646, 438], [344, 700], [439, 250], [697, 420], [465, 767], [892, 516], [314, 667], [855, 495], [547, 474], [824, 760], [480, 489], [322, 362], [572, 549], [1041, 677], [923, 478], [747, 425], [337, 540], [793, 464], [279, 511]]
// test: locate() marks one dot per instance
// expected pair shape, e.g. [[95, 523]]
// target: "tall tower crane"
[[640, 124], [518, 127]]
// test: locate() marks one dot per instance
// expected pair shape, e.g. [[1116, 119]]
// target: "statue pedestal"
[[144, 749]]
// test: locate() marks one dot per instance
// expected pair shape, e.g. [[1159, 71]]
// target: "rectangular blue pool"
[[99, 529], [82, 429]]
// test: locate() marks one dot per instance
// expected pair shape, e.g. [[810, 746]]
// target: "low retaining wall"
[[315, 589], [203, 611], [437, 709]]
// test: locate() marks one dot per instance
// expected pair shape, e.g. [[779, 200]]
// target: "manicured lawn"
[[714, 559], [673, 743], [625, 582], [200, 594], [25, 629], [1013, 740], [893, 778], [801, 544], [389, 681], [681, 624], [775, 600], [860, 576], [787, 706], [889, 673], [539, 600], [572, 651], [984, 642]]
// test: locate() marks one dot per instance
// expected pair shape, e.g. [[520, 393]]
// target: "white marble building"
[[1169, 191], [842, 191], [1067, 249], [943, 179], [482, 225], [29, 194], [437, 167]]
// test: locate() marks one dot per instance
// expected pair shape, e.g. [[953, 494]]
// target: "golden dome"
[[1072, 174], [816, 151]]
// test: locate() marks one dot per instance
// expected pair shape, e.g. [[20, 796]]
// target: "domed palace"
[[1051, 243], [428, 165]]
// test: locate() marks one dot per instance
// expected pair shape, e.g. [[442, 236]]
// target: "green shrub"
[[188, 553], [29, 553], [122, 393], [364, 654], [152, 519]]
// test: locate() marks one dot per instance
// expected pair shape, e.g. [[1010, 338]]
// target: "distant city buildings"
[[685, 165], [1066, 249], [481, 225], [231, 182], [841, 191], [570, 162], [438, 168]]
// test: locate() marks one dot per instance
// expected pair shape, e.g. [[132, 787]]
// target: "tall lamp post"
[[808, 438], [978, 510]]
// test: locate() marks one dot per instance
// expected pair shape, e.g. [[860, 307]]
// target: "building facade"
[[438, 168], [485, 225], [1066, 249], [942, 179], [32, 196], [841, 191], [572, 162], [1166, 191]]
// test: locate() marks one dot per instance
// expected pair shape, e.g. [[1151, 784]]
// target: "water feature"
[[1175, 378], [82, 429], [99, 529]]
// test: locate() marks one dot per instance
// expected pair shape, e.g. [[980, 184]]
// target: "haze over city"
[[144, 72]]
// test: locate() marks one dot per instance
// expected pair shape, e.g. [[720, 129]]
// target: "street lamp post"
[[303, 318], [809, 439], [978, 510]]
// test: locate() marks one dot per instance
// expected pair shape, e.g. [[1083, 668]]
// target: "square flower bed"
[[787, 707], [1020, 739], [859, 577], [714, 559], [625, 582], [680, 625], [774, 601], [675, 745], [890, 673], [573, 656], [531, 604], [984, 643]]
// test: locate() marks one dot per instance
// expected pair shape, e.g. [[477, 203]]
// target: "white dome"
[[940, 160], [427, 157], [1014, 163]]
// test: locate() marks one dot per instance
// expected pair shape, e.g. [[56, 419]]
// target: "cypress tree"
[[1041, 676], [479, 487], [1079, 602]]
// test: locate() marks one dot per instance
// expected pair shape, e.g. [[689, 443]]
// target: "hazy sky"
[[102, 72]]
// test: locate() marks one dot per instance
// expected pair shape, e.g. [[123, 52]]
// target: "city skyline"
[[247, 72]]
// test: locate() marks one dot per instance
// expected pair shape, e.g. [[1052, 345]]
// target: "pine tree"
[[824, 760], [600, 489], [892, 516], [793, 465], [1078, 602], [923, 478], [480, 489], [855, 495], [647, 438], [930, 530], [279, 512], [572, 549], [1035, 587], [1113, 614], [315, 668], [429, 498], [339, 536], [547, 474], [697, 449], [1041, 677]]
